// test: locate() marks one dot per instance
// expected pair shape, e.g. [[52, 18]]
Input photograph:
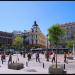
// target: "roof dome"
[[35, 24]]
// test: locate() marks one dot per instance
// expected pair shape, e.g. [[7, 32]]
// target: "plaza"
[[36, 67], [37, 37]]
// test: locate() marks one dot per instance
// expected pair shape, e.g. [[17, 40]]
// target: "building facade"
[[35, 37], [6, 38], [70, 32]]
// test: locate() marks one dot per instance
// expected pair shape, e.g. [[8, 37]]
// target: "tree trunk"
[[56, 56]]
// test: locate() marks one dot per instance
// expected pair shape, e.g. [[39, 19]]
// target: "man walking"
[[2, 57], [65, 56], [29, 56], [37, 57], [53, 58], [10, 59]]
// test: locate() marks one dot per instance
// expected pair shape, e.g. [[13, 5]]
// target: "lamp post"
[[24, 41], [28, 42], [47, 49], [47, 42], [36, 35], [32, 37], [73, 50]]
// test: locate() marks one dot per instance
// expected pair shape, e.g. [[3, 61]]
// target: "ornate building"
[[35, 37]]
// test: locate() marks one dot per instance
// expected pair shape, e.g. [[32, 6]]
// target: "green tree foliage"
[[54, 34], [18, 42], [69, 43]]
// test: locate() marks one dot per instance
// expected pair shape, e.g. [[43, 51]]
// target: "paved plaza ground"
[[35, 67]]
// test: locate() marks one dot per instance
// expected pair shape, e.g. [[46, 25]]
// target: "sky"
[[20, 15]]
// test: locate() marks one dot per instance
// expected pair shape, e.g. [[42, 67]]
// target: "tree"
[[54, 34], [70, 43], [18, 42]]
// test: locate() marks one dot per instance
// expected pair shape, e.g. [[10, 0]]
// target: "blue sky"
[[20, 15]]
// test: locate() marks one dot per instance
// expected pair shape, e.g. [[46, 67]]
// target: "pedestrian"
[[21, 53], [65, 56], [50, 54], [47, 56], [10, 59], [29, 56], [24, 54], [53, 57], [2, 57], [37, 57]]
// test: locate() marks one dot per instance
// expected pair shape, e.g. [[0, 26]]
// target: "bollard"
[[27, 64], [13, 61], [2, 61], [18, 59], [64, 65], [43, 65]]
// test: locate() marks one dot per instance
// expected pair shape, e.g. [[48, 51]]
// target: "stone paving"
[[36, 67]]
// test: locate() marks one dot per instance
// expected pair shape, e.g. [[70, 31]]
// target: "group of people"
[[3, 58], [37, 56], [49, 54]]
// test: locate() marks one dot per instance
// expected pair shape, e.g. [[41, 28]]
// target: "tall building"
[[35, 37]]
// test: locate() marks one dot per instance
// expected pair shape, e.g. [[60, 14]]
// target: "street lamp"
[[28, 42], [47, 49], [24, 41], [73, 50], [47, 42], [32, 36]]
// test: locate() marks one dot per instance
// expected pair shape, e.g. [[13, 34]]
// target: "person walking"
[[29, 56], [2, 57], [37, 57], [10, 59], [21, 53], [65, 56], [53, 57], [47, 56], [24, 54]]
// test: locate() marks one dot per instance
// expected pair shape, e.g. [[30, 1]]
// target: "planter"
[[16, 66], [58, 70]]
